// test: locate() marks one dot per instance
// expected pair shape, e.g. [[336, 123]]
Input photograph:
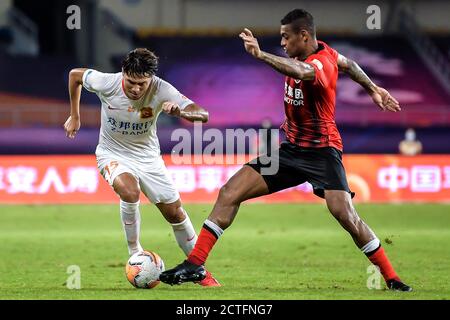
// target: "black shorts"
[[322, 167]]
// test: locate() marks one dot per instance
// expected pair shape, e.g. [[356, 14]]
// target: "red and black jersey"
[[310, 105]]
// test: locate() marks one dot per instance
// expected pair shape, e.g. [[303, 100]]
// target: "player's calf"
[[131, 222]]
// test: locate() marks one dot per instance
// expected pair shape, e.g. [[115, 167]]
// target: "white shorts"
[[153, 179]]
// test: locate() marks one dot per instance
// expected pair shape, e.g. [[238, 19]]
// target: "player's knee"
[[228, 196], [338, 212], [129, 195], [176, 215], [172, 212], [343, 211], [348, 219]]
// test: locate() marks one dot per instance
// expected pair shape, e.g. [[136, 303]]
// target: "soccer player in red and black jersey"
[[312, 152]]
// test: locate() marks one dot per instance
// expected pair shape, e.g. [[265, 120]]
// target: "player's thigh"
[[120, 177], [157, 185], [127, 187], [339, 202], [324, 169], [245, 184], [283, 173]]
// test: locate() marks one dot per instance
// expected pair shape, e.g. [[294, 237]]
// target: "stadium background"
[[202, 56]]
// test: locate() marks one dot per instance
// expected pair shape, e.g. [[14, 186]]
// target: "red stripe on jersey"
[[310, 105]]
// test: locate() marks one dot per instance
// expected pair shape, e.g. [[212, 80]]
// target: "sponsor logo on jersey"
[[293, 96], [129, 128]]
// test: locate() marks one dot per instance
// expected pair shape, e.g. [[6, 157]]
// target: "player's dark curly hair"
[[300, 20], [140, 62]]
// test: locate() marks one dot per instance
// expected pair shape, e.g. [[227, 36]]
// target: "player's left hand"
[[384, 100], [171, 108], [250, 43]]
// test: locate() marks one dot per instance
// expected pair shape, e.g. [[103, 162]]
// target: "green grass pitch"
[[277, 251]]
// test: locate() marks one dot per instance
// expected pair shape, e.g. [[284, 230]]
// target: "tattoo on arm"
[[289, 67], [355, 72]]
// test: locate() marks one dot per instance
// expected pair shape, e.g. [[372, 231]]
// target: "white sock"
[[213, 228], [371, 246], [185, 234], [131, 222]]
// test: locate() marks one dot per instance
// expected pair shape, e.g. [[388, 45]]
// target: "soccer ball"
[[143, 269]]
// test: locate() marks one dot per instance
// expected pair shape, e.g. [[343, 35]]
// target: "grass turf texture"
[[279, 252]]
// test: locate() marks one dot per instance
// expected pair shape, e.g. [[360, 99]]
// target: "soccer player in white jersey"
[[128, 152]]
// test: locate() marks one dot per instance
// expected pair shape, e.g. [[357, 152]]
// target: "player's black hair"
[[140, 62], [300, 20]]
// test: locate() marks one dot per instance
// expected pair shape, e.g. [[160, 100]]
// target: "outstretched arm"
[[287, 66], [73, 123], [379, 95], [192, 112]]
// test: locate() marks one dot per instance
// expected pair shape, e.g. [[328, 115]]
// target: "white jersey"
[[128, 127]]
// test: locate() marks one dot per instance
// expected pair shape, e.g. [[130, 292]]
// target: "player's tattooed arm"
[[192, 112], [355, 72], [380, 96], [73, 123], [289, 67]]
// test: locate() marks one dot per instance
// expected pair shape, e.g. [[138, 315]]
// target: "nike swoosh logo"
[[111, 108], [189, 239]]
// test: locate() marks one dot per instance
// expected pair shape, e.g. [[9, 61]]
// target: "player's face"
[[135, 87], [293, 43]]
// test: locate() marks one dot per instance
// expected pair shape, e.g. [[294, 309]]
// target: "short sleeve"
[[333, 53], [170, 93], [98, 82], [323, 68]]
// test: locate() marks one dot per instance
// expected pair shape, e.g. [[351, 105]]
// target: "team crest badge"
[[146, 112]]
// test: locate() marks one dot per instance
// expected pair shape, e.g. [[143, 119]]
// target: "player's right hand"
[[71, 126], [250, 43], [384, 100], [171, 108]]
